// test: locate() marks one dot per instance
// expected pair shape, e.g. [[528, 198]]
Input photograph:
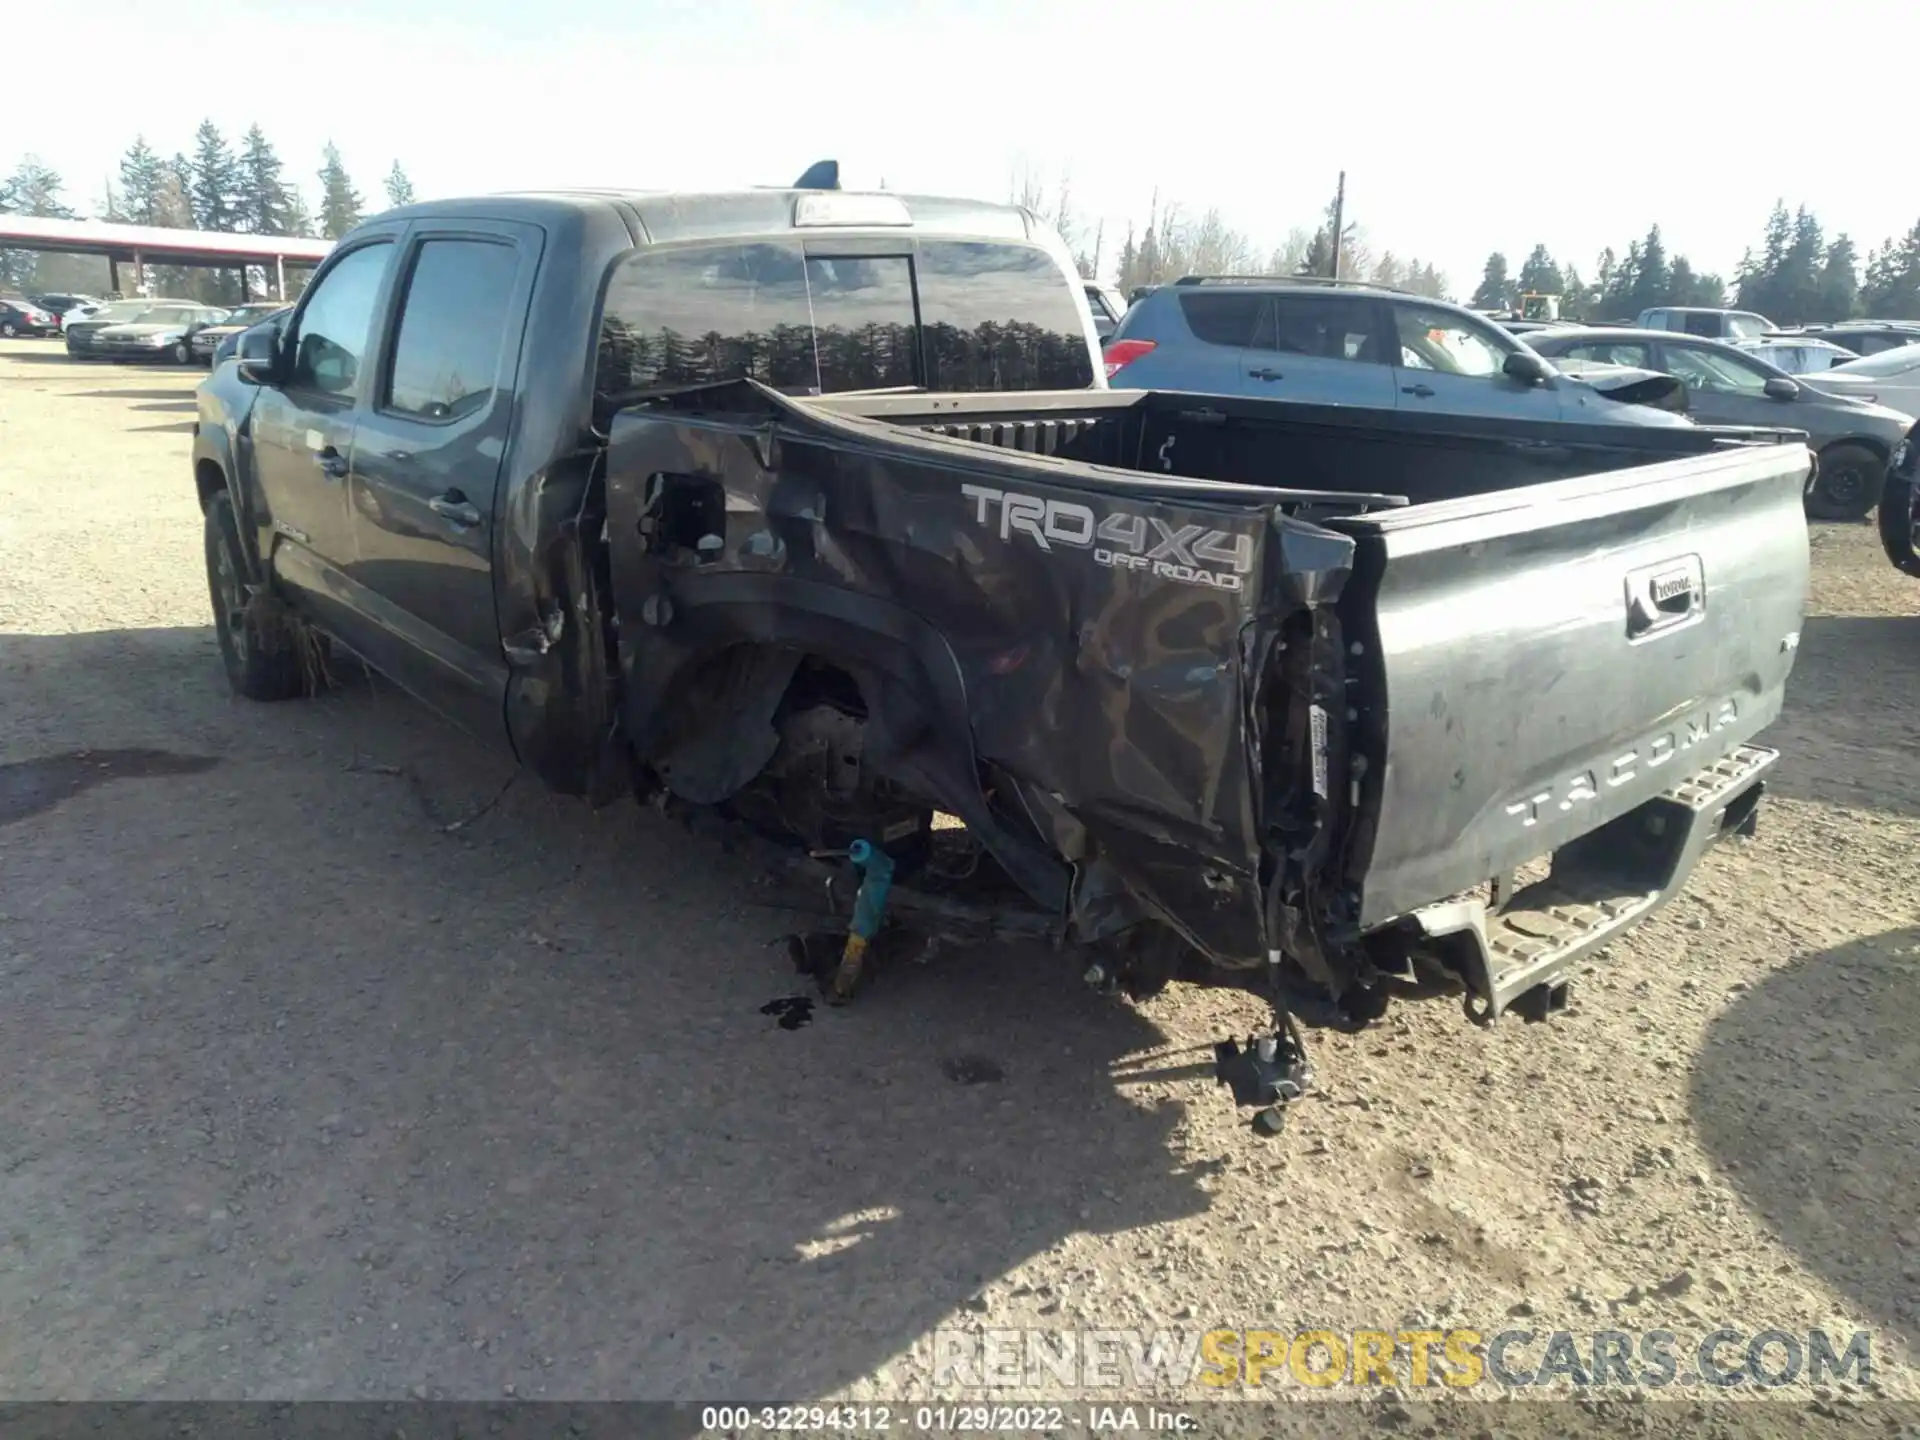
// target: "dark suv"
[[1866, 337], [1329, 342]]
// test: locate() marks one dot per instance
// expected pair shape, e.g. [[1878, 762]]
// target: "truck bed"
[[1281, 677]]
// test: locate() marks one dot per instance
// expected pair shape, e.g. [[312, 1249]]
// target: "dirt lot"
[[303, 1094]]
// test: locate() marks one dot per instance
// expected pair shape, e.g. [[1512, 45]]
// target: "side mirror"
[[1526, 367], [258, 354], [1779, 387]]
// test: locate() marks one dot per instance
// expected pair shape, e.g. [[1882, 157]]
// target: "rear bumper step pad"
[[1601, 885]]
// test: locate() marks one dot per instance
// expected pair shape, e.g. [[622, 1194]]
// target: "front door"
[[1722, 388], [427, 457], [1450, 365], [303, 426]]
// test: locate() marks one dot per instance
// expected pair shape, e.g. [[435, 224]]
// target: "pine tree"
[[339, 202], [263, 206], [213, 180], [1496, 290], [1540, 276], [34, 189], [399, 187], [142, 178], [1839, 284], [1652, 277]]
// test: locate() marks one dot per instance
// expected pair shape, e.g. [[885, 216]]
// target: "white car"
[[1799, 354], [1892, 377]]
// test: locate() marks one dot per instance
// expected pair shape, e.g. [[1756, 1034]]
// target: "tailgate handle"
[[1665, 596]]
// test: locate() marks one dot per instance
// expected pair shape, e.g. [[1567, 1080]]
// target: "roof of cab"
[[659, 217]]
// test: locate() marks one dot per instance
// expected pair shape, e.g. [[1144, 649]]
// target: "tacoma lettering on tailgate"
[[1584, 786], [1122, 539]]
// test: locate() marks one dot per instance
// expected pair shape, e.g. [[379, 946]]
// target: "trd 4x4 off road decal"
[[1122, 539]]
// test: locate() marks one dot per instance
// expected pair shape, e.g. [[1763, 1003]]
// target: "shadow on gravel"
[[1805, 1093], [1853, 671], [28, 787], [172, 398], [348, 1106]]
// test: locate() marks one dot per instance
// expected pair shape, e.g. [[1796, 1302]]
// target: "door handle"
[[1265, 374], [332, 463], [455, 507], [1425, 392]]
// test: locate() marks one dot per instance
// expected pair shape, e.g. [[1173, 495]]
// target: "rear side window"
[[1223, 317], [1708, 325], [1331, 327], [452, 323], [1000, 317]]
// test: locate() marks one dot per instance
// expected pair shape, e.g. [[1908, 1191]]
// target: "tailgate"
[[1532, 664]]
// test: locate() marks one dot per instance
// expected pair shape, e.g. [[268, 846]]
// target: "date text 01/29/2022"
[[935, 1419]]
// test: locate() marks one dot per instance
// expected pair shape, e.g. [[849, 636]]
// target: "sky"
[[1462, 127]]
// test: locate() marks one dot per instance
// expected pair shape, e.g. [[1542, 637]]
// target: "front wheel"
[[1900, 522], [182, 353], [266, 650], [1848, 485]]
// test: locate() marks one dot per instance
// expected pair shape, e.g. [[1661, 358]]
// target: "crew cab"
[[809, 508]]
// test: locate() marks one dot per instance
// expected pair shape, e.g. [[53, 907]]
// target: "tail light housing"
[[1121, 353]]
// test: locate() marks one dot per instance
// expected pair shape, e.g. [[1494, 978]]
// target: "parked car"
[[1338, 343], [63, 305], [229, 343], [1891, 377], [206, 340], [1107, 306], [159, 332], [1798, 354], [80, 333], [1709, 323], [1854, 439], [1868, 337], [20, 316], [504, 450]]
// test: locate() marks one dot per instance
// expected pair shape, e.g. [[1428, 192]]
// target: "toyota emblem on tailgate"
[[1665, 596]]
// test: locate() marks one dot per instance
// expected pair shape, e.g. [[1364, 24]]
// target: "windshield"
[[1887, 362], [248, 314], [1748, 327], [121, 312]]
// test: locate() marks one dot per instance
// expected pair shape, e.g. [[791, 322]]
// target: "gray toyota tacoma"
[[807, 512]]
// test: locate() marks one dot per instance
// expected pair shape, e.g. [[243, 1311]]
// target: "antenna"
[[821, 175]]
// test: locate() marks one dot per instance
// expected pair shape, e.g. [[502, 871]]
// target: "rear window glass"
[[1000, 317], [1221, 317], [989, 317]]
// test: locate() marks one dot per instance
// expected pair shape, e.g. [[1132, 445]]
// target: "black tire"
[[182, 353], [262, 646], [1900, 522], [7, 329], [1848, 485]]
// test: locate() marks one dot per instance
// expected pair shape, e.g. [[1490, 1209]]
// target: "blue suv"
[[1325, 342]]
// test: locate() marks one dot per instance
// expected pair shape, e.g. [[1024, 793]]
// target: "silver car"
[[1854, 439]]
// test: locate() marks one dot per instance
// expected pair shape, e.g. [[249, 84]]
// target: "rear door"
[[1323, 349], [1451, 365], [426, 463]]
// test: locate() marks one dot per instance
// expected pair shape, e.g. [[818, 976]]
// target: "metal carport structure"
[[141, 244]]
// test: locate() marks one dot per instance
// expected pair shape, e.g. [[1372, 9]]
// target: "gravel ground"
[[309, 1089]]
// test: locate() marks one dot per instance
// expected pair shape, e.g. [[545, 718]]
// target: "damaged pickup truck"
[[1226, 690]]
